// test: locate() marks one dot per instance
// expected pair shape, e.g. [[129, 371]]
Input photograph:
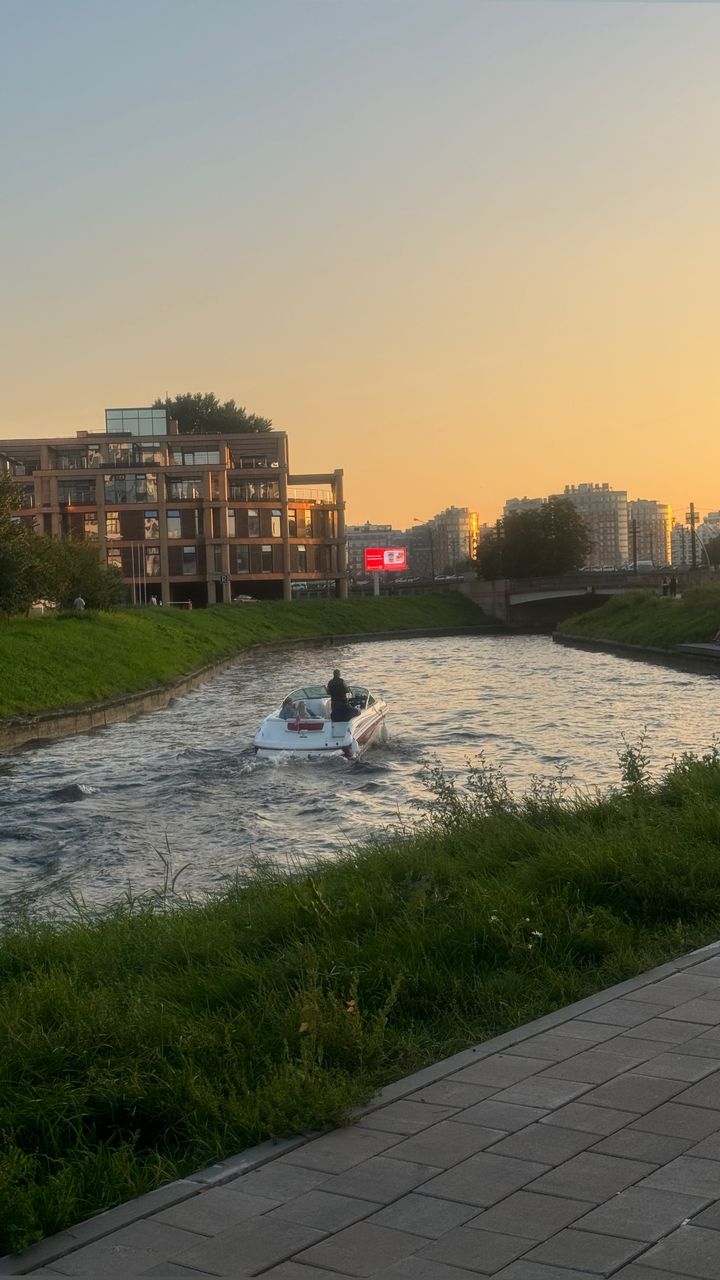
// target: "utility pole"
[[633, 531], [693, 538]]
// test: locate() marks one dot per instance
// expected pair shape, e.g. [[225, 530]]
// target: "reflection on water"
[[90, 816]]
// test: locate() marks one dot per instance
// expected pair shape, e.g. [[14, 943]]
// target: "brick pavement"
[[586, 1144]]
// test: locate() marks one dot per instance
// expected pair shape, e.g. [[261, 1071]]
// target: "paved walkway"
[[586, 1144]]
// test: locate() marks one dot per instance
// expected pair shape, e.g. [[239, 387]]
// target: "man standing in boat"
[[339, 692]]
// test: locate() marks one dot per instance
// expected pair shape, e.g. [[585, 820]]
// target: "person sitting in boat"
[[288, 710], [304, 713], [339, 693]]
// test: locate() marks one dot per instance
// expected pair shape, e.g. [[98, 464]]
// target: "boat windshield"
[[310, 691]]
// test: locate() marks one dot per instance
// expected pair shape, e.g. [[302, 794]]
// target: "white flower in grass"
[[535, 934]]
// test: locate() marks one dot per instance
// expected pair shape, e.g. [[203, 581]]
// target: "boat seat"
[[296, 725]]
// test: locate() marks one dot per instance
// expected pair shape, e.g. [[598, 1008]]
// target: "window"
[[130, 488], [76, 493], [114, 559], [90, 525], [302, 559], [184, 490], [231, 524], [196, 457], [254, 490], [71, 461], [152, 525], [189, 560], [136, 422], [152, 562], [292, 522], [218, 559], [275, 530], [173, 524], [215, 483], [307, 517], [242, 559], [267, 560], [253, 524], [112, 524]]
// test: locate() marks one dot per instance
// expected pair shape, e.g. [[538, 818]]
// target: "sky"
[[466, 250]]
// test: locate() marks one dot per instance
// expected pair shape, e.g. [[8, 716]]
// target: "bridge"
[[543, 602]]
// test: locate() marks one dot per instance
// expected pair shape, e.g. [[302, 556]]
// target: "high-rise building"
[[362, 536], [649, 526], [605, 512], [516, 506], [443, 544], [199, 518], [456, 534]]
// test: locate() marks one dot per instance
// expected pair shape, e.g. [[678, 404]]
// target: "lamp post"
[[430, 547]]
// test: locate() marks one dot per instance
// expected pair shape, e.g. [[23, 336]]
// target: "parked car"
[[244, 600]]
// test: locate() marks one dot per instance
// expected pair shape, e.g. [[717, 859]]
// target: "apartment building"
[[362, 536], [439, 546], [186, 517], [455, 533], [516, 506], [649, 527], [605, 512]]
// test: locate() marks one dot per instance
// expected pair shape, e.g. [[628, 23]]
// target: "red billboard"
[[379, 559]]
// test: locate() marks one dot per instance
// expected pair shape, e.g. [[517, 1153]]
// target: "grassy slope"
[[642, 618], [139, 1047], [78, 658]]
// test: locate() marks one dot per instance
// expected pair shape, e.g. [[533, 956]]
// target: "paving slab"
[[424, 1215], [531, 1215], [485, 1252], [585, 1144], [362, 1250], [597, 1254], [690, 1251]]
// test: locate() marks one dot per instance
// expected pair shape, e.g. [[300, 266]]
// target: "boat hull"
[[350, 738]]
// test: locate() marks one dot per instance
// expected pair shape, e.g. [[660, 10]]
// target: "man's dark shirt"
[[338, 691]]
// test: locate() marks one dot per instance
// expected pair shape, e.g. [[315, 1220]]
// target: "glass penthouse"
[[186, 517]]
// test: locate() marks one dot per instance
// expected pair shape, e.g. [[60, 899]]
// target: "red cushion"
[[305, 724]]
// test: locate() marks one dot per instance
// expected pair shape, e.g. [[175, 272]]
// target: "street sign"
[[380, 559]]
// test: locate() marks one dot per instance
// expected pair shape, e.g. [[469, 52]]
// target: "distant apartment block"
[[516, 506], [605, 512], [362, 536], [441, 545], [649, 527], [186, 517], [456, 537]]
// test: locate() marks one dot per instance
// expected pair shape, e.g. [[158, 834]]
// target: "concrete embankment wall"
[[46, 726], [677, 657]]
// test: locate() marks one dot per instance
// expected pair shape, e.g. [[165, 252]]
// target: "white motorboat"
[[318, 734]]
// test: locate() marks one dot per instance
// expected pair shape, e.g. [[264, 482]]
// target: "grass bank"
[[640, 617], [72, 659], [141, 1046]]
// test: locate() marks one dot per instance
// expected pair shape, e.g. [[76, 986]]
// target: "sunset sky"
[[465, 250]]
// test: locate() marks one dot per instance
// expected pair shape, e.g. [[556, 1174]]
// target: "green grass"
[[143, 1045], [639, 617], [73, 659]]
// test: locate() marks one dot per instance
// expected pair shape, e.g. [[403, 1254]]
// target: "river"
[[91, 818]]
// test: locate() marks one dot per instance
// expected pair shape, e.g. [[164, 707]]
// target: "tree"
[[528, 544], [202, 414], [713, 550], [41, 568]]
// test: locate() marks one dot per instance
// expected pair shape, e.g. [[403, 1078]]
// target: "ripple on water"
[[91, 815]]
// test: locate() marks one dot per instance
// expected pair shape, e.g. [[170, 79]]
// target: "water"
[[89, 817]]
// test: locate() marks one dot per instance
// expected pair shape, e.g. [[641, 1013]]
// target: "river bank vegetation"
[[72, 659], [643, 617], [150, 1042]]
